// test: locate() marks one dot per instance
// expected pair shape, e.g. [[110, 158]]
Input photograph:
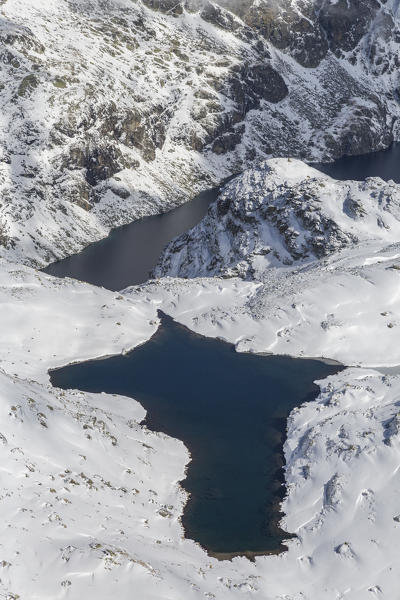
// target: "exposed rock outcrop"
[[282, 213]]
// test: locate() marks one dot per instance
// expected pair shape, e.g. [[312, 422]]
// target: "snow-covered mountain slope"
[[346, 307], [86, 492], [279, 213], [86, 495], [116, 109], [321, 259], [90, 501], [38, 312]]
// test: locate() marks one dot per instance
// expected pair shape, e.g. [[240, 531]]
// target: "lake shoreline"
[[223, 406]]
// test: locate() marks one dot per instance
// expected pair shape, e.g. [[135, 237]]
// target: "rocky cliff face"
[[310, 30], [283, 213], [115, 109]]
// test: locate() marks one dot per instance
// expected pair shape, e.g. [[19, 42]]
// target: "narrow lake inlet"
[[230, 410], [129, 253]]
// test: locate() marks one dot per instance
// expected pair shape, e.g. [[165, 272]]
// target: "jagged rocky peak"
[[281, 213]]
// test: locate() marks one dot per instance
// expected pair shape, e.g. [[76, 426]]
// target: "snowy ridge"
[[346, 309], [279, 213], [321, 257]]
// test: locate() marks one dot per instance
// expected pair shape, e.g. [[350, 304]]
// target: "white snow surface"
[[90, 500]]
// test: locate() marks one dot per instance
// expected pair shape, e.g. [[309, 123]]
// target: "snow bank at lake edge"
[[67, 455]]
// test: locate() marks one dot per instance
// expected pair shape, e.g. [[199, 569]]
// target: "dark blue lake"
[[130, 252], [230, 410]]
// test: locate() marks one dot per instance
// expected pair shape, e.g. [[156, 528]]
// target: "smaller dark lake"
[[230, 410], [130, 252]]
